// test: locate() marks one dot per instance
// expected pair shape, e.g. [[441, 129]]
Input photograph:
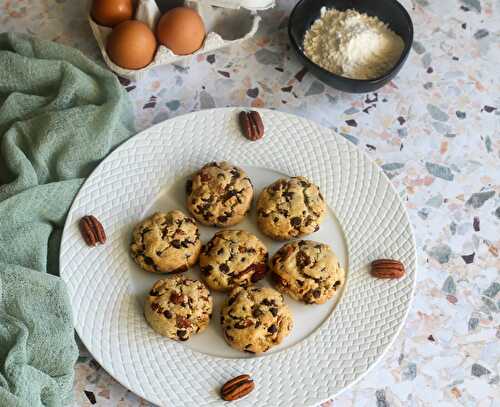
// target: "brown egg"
[[111, 12], [181, 30], [131, 45]]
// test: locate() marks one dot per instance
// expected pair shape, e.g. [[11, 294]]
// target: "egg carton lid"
[[248, 4]]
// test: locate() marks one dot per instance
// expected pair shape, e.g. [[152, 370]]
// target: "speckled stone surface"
[[434, 130]]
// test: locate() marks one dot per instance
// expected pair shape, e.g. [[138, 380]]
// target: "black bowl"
[[389, 11]]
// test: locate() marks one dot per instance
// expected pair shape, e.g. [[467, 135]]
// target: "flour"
[[352, 45]]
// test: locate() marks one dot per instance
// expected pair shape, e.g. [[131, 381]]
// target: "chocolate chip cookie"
[[307, 271], [166, 243], [178, 307], [290, 208], [254, 319], [233, 258], [219, 194]]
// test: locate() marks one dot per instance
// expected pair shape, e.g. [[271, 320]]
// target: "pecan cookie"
[[308, 271], [166, 243], [290, 208], [254, 319], [219, 194], [233, 258], [178, 307]]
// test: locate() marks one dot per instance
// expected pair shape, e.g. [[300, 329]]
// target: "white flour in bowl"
[[352, 44]]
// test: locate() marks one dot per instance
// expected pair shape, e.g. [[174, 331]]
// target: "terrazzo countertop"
[[434, 130]]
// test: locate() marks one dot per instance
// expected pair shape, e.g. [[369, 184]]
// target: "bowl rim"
[[385, 77]]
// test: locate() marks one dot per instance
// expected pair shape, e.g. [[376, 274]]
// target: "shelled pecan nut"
[[92, 230], [237, 388], [252, 125], [387, 268]]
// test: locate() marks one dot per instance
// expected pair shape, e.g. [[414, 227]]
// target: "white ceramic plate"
[[331, 345]]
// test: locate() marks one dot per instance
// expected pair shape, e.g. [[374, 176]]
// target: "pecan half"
[[237, 388], [251, 125], [92, 230], [260, 271], [387, 268], [177, 299]]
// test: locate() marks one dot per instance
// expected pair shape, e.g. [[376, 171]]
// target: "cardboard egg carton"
[[226, 23]]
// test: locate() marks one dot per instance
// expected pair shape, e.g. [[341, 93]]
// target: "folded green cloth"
[[60, 114]]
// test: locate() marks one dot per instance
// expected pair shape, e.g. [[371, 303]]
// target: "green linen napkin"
[[60, 114]]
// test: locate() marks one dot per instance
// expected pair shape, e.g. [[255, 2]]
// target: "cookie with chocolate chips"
[[307, 271], [290, 208], [166, 243], [178, 307], [233, 258], [219, 194], [255, 319]]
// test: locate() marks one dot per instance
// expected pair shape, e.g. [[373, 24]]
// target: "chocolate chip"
[[206, 270], [180, 269], [149, 261], [167, 314], [336, 284], [155, 306], [220, 252], [243, 324], [222, 219], [295, 221], [302, 260], [229, 194], [273, 311], [316, 228], [265, 301], [176, 243], [231, 300], [221, 319], [272, 329], [154, 293], [181, 333], [275, 220], [317, 293], [176, 298], [224, 268], [257, 312]]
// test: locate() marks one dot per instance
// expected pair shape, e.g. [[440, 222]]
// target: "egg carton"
[[226, 23]]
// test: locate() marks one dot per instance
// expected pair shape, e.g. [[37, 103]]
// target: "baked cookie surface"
[[166, 243], [308, 271], [178, 307], [255, 319], [219, 194], [233, 258], [290, 208]]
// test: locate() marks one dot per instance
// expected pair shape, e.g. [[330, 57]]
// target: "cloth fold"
[[60, 114]]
